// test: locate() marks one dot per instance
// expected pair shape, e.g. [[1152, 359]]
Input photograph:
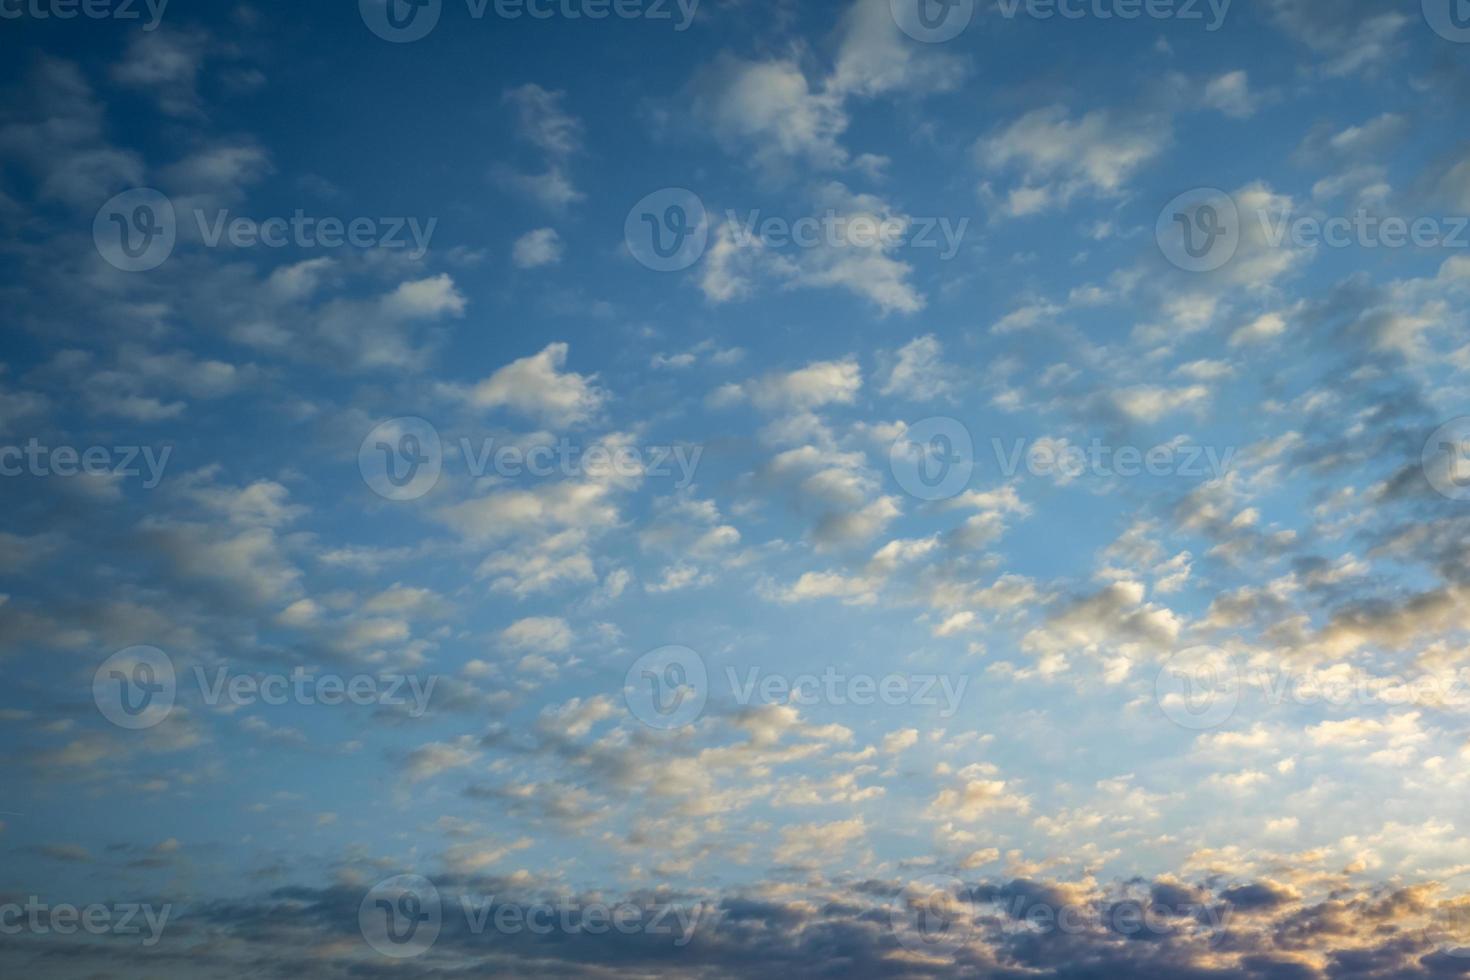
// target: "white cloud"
[[918, 372], [1062, 157], [537, 386], [769, 110], [1150, 403], [540, 634], [537, 248], [814, 386], [1231, 94]]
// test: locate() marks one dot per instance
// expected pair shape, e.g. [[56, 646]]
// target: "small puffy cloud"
[[543, 122], [974, 796], [769, 110], [918, 372], [1062, 157], [537, 386], [1266, 327], [544, 634], [537, 248], [424, 298], [165, 62], [814, 386], [895, 742], [428, 761], [854, 251], [1231, 94], [819, 840], [1150, 403]]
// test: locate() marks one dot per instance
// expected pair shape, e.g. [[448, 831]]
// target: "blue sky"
[[878, 442]]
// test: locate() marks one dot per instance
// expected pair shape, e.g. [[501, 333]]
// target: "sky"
[[631, 488]]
